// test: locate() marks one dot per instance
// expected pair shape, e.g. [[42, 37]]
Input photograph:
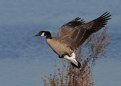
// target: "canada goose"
[[72, 35]]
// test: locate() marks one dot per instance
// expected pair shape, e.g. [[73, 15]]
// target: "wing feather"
[[98, 23], [67, 28], [75, 32]]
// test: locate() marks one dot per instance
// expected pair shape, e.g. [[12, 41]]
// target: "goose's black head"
[[44, 33]]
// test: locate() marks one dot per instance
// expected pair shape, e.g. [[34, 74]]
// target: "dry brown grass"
[[69, 76]]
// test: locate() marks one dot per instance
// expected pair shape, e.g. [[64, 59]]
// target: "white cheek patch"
[[72, 58], [43, 34]]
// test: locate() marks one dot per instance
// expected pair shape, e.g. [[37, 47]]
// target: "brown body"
[[59, 48]]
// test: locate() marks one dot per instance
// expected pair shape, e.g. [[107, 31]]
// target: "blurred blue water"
[[24, 58]]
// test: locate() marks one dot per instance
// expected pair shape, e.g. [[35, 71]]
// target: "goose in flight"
[[72, 35]]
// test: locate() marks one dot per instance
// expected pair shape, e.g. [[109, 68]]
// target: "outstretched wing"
[[98, 23], [70, 32], [68, 28], [74, 33]]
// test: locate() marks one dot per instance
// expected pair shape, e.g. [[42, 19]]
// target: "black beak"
[[37, 35]]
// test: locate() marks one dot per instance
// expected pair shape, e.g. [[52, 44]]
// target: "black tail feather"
[[77, 66]]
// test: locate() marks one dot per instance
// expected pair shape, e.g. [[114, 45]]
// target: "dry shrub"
[[70, 76]]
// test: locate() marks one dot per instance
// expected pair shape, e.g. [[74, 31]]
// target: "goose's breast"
[[58, 47]]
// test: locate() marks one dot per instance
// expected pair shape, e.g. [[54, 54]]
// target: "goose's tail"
[[77, 66], [73, 60]]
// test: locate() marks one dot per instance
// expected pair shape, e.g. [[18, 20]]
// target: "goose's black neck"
[[48, 35]]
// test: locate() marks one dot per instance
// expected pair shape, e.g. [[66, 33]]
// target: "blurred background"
[[26, 59]]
